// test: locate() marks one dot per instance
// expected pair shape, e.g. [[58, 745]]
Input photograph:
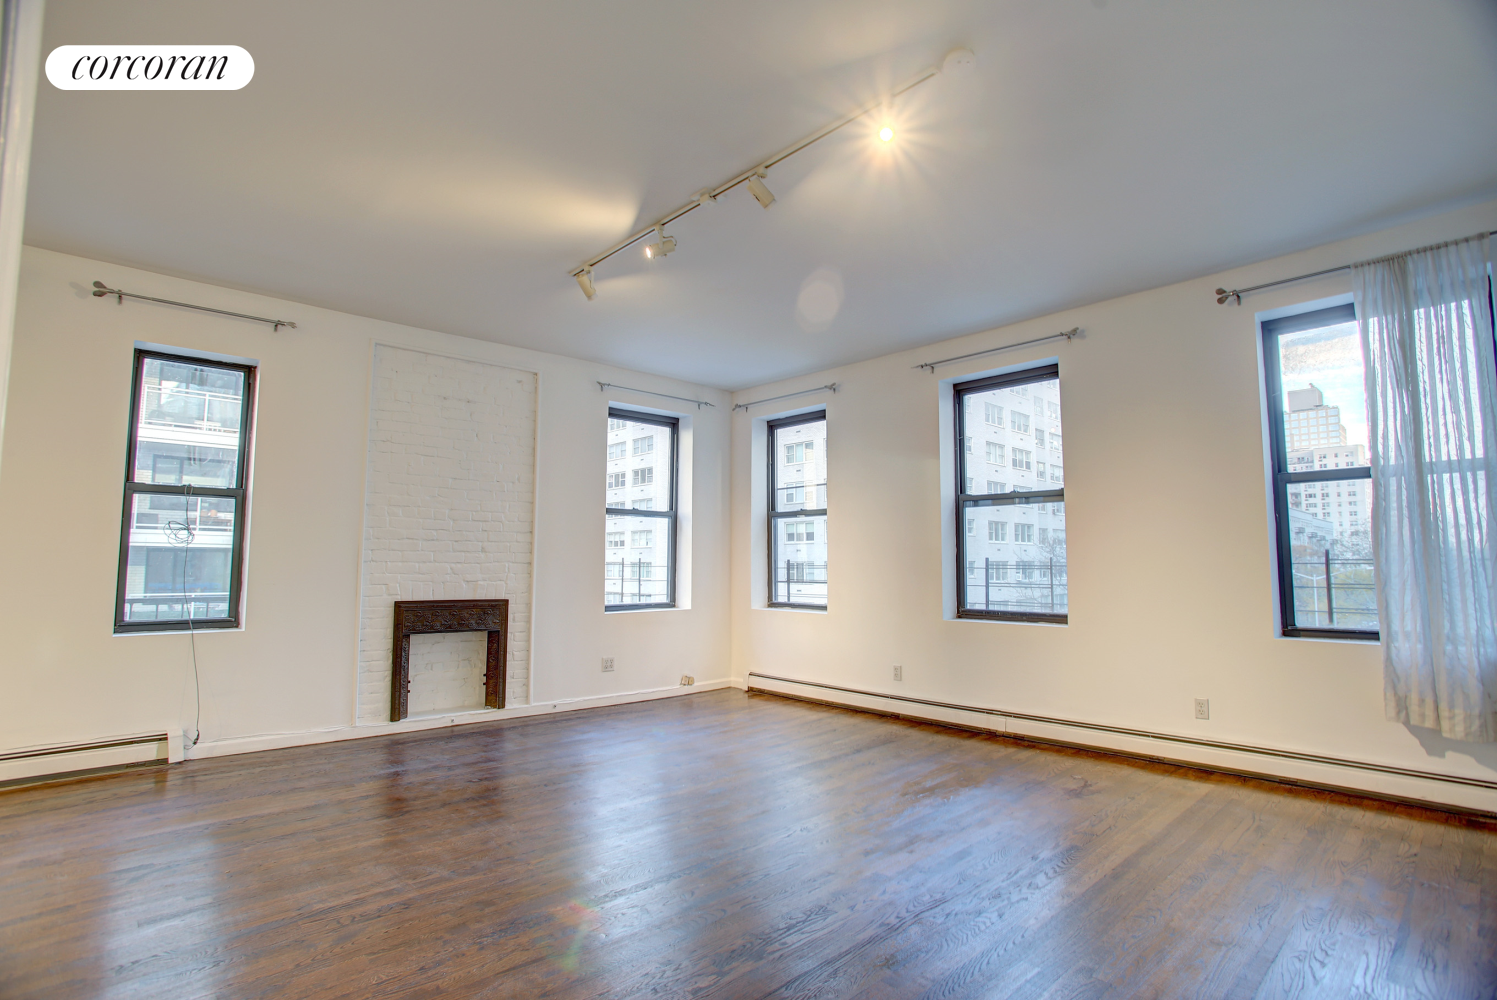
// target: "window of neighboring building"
[[993, 414], [182, 536], [617, 450], [798, 511], [648, 525], [995, 453], [998, 584], [617, 480], [1316, 398]]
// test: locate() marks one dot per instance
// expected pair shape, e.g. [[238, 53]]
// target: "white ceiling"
[[446, 164]]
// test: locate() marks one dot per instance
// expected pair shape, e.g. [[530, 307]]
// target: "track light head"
[[756, 187], [958, 61], [585, 282], [663, 245]]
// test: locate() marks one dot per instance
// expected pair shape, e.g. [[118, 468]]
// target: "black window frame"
[[772, 427], [239, 492], [959, 392], [674, 423], [1280, 476]]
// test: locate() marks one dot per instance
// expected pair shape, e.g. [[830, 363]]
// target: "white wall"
[[292, 669], [1165, 490]]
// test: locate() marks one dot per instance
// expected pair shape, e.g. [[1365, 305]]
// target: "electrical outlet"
[[687, 680], [608, 664], [899, 673], [1203, 708]]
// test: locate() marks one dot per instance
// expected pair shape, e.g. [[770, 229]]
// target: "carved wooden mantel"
[[422, 617]]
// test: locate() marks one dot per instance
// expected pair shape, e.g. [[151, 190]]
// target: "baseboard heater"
[[43, 762], [1400, 784]]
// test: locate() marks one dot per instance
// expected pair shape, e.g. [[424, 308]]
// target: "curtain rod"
[[101, 289], [1223, 295], [1068, 334], [649, 392], [830, 385]]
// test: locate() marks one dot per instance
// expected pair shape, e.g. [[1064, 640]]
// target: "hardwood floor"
[[725, 845]]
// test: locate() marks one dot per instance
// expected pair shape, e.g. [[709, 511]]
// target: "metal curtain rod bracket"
[[712, 194], [830, 385], [101, 289], [1234, 295], [931, 365], [698, 403]]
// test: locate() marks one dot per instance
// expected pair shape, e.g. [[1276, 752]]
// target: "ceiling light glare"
[[886, 133], [585, 282], [759, 191]]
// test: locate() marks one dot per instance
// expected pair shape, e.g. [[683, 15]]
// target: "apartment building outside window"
[[798, 511], [1016, 569], [1322, 479], [639, 568], [182, 531]]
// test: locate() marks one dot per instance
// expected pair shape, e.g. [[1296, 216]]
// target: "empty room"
[[649, 498]]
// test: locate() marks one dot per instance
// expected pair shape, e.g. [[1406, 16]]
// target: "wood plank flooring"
[[725, 845]]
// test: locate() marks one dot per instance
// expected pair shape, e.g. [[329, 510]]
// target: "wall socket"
[[608, 664], [899, 673], [687, 680], [1203, 708]]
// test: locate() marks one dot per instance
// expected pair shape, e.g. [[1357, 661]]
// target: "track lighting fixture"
[[756, 188], [957, 61], [663, 245]]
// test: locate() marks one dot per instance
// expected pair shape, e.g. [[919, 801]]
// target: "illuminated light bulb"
[[663, 245], [886, 133]]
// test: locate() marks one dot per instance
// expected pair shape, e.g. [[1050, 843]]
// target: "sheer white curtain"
[[1426, 330]]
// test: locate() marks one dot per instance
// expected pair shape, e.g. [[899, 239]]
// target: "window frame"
[[239, 493], [1280, 478], [775, 516], [981, 501], [669, 516]]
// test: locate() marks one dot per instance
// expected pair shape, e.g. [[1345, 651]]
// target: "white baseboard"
[[436, 720], [107, 752], [1362, 777]]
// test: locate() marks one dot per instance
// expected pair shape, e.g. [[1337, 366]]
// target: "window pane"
[[800, 466], [1325, 402], [639, 465], [1016, 557], [180, 557], [636, 560], [188, 429], [800, 560], [1013, 439], [1330, 544]]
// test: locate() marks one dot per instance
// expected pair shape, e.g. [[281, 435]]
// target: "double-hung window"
[[1322, 480], [186, 471], [639, 556], [1029, 530], [797, 511]]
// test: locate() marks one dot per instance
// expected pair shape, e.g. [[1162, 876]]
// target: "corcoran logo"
[[149, 67]]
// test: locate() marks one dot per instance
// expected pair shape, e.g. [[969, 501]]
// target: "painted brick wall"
[[448, 513]]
